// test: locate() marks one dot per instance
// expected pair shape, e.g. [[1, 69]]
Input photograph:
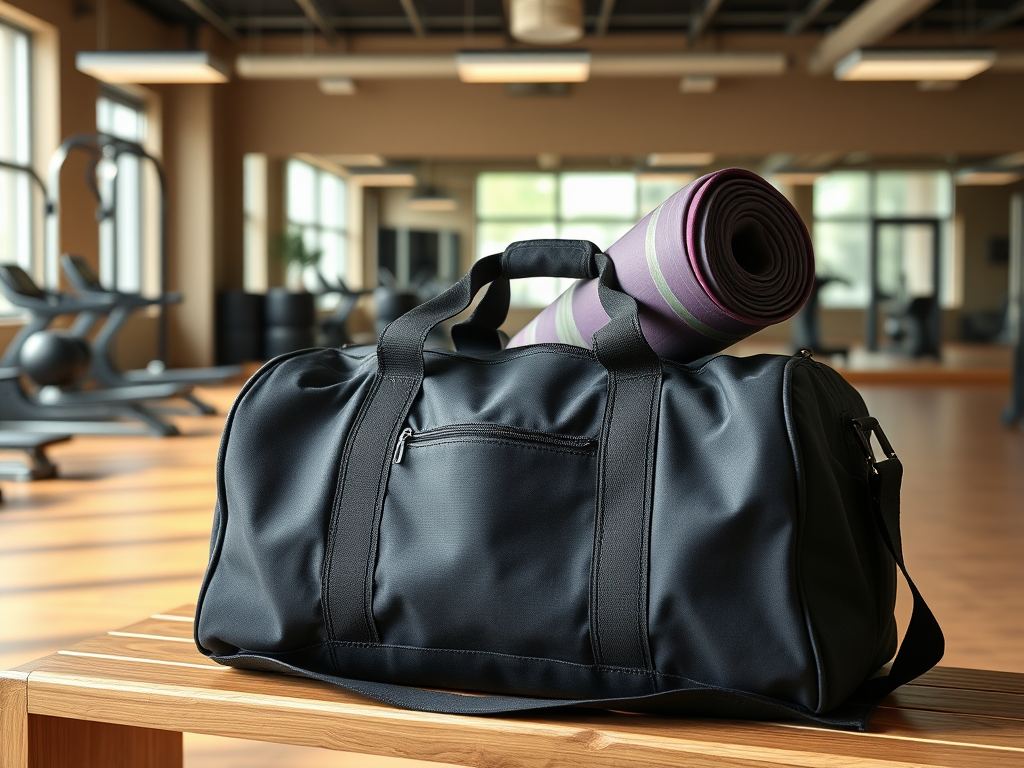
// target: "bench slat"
[[150, 675], [583, 739]]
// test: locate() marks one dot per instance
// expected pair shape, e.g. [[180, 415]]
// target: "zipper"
[[492, 432]]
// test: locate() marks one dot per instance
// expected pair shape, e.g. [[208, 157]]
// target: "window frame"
[[559, 222], [113, 271], [25, 214], [948, 280], [319, 228]]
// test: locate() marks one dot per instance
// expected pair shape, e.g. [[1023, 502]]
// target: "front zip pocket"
[[493, 433], [486, 542]]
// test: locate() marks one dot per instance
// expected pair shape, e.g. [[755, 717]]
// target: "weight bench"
[[123, 699]]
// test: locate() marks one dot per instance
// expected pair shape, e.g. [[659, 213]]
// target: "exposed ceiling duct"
[[546, 22]]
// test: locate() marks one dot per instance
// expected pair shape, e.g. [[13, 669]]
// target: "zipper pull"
[[400, 448]]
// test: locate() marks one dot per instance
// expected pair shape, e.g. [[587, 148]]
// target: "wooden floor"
[[124, 533]]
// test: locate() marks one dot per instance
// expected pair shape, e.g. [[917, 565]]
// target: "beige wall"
[[985, 213]]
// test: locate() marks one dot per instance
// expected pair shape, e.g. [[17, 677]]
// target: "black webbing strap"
[[921, 649], [924, 643], [480, 334], [619, 569]]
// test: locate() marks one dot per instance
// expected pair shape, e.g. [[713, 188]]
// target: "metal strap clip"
[[865, 427]]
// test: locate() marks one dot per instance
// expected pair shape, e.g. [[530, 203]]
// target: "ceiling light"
[[698, 84], [382, 177], [679, 159], [797, 178], [370, 161], [546, 22], [921, 64], [152, 66], [523, 66], [431, 199], [980, 178], [337, 86]]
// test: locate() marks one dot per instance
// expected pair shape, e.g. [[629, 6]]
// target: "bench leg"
[[58, 742]]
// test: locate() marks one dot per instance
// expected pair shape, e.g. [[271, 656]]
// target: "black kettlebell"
[[55, 358]]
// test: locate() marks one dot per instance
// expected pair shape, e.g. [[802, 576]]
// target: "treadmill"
[[113, 309], [98, 411]]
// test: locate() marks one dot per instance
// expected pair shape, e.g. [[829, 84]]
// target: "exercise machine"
[[332, 329], [51, 408], [113, 310], [807, 323]]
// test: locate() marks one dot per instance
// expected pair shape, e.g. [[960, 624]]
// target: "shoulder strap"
[[921, 649]]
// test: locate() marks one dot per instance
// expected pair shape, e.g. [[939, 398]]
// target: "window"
[[600, 207], [317, 207], [121, 186], [846, 203], [20, 203]]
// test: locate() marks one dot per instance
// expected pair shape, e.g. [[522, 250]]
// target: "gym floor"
[[124, 534]]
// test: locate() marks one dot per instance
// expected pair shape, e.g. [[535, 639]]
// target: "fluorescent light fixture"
[[937, 85], [382, 176], [980, 178], [338, 86], [698, 84], [679, 179], [152, 66], [369, 161], [797, 178], [523, 66], [679, 159], [431, 199], [920, 64]]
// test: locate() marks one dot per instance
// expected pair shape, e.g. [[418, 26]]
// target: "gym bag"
[[557, 526]]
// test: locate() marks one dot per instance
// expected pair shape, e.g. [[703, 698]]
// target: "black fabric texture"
[[592, 528]]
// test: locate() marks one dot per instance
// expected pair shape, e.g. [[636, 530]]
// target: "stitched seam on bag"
[[602, 485], [643, 596], [553, 348], [346, 456], [532, 659], [801, 501], [257, 378]]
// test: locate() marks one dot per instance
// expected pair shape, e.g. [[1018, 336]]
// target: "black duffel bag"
[[559, 526]]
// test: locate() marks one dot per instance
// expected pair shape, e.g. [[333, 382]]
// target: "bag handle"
[[921, 649], [400, 348], [480, 333]]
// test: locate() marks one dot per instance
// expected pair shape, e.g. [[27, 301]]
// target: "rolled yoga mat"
[[722, 258]]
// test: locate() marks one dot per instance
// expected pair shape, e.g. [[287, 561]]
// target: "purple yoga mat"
[[722, 258]]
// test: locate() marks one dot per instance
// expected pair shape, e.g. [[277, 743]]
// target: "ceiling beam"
[[806, 16], [700, 21], [211, 18], [414, 18], [604, 17], [315, 14], [1010, 15], [871, 22]]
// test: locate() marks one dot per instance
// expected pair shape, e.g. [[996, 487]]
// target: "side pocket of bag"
[[840, 560]]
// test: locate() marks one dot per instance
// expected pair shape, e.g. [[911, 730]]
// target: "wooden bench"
[[123, 700]]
